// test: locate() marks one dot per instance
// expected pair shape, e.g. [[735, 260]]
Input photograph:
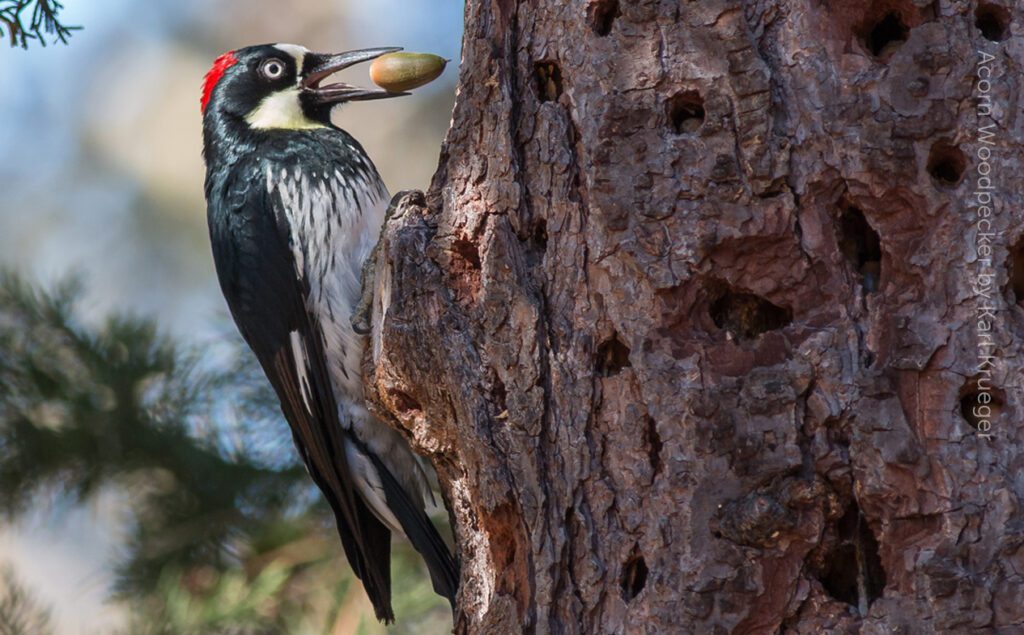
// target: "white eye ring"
[[272, 68]]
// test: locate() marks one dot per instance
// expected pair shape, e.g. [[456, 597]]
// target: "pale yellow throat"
[[281, 111]]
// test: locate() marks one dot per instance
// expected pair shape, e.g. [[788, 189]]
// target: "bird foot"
[[361, 316]]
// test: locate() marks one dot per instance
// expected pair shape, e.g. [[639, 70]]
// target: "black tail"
[[366, 540], [444, 570]]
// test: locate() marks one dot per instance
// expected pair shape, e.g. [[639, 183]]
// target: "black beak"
[[318, 67]]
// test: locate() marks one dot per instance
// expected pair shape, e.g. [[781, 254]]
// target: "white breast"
[[334, 226]]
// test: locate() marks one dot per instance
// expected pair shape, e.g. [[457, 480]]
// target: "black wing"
[[444, 570], [265, 293]]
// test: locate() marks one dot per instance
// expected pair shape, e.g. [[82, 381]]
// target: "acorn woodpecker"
[[295, 207]]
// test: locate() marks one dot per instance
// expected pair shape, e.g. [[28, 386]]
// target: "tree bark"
[[691, 322]]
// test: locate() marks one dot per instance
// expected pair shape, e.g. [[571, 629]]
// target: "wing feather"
[[266, 294]]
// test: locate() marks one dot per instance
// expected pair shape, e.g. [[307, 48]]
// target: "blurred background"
[[147, 481]]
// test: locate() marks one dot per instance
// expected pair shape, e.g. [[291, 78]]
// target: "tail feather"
[[444, 570], [368, 548]]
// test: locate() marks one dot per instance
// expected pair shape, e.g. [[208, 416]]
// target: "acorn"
[[399, 72]]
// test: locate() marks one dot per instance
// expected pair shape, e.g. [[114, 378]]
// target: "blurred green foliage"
[[227, 534]]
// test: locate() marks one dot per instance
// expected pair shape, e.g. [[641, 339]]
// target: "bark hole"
[[993, 21], [883, 37], [634, 574], [852, 571], [500, 395], [612, 357], [464, 267], [467, 252], [745, 315], [860, 243], [919, 86], [654, 445], [981, 403], [602, 16], [724, 168], [1016, 269], [540, 234], [404, 403], [946, 164], [549, 80], [686, 111]]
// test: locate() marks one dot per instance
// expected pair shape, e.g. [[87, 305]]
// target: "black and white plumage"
[[295, 207]]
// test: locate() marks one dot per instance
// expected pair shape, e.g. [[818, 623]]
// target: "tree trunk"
[[692, 325]]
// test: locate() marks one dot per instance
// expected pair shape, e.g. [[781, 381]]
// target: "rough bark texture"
[[689, 324]]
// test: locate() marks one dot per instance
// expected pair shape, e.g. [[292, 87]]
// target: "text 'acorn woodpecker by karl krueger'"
[[295, 207]]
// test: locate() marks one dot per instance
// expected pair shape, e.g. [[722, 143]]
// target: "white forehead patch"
[[297, 52]]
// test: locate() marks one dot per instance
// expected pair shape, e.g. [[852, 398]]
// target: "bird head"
[[280, 86]]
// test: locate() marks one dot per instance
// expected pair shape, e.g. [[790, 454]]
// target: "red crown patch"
[[221, 64]]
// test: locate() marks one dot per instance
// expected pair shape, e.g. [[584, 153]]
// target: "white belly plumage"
[[335, 223]]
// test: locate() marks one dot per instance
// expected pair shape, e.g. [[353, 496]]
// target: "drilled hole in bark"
[[1016, 268], [860, 243], [500, 395], [686, 111], [946, 164], [993, 21], [745, 315], [852, 571], [549, 80], [602, 15], [981, 403], [654, 445], [404, 403], [464, 267], [634, 574], [612, 357], [467, 252], [540, 233], [886, 35]]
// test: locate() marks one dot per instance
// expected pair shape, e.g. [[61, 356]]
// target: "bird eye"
[[272, 69]]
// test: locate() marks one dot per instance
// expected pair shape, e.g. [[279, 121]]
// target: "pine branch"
[[20, 612], [84, 408], [228, 534], [42, 19]]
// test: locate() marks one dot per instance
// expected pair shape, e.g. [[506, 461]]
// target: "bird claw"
[[360, 325], [362, 315]]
